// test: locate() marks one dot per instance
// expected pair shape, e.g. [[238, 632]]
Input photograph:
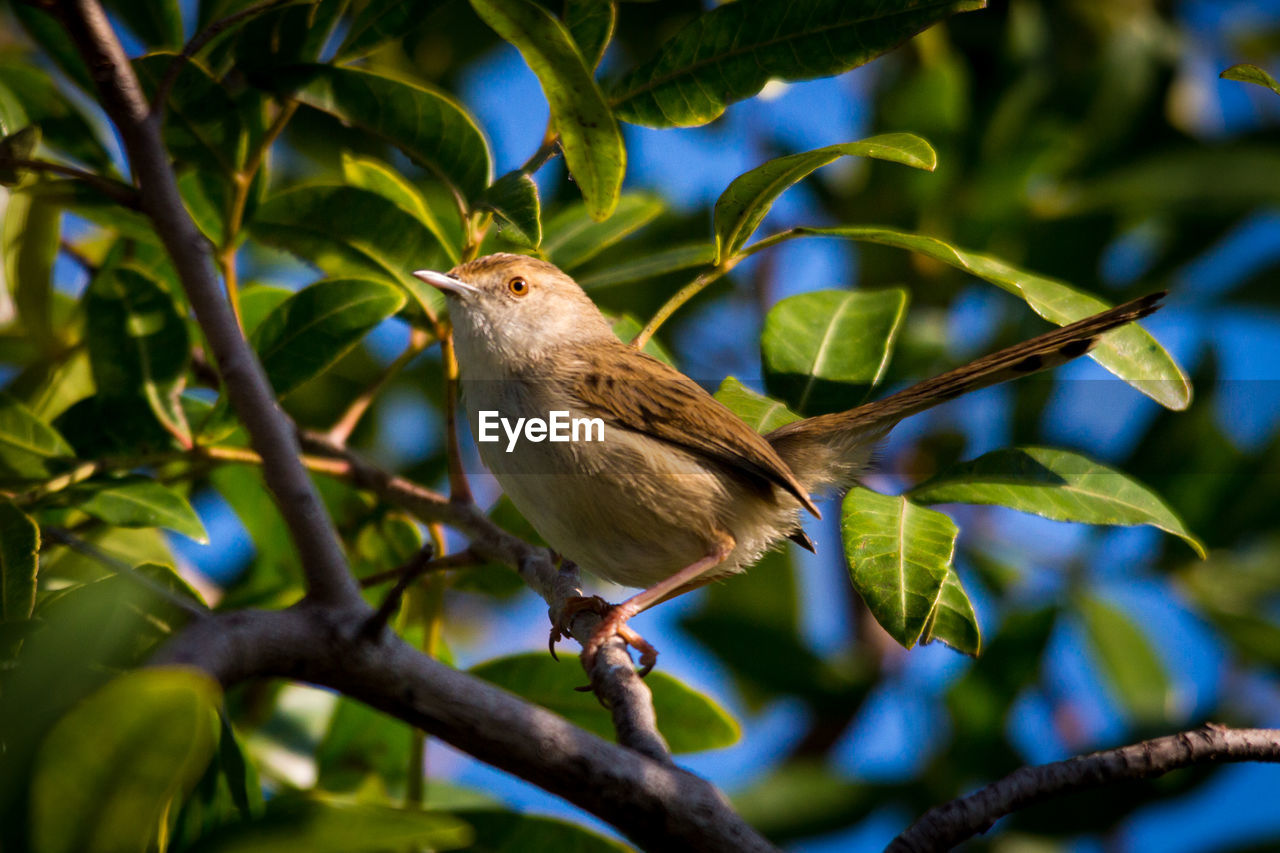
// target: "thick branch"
[[947, 825], [269, 430], [658, 806]]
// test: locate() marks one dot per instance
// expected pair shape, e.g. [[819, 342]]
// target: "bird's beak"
[[446, 282]]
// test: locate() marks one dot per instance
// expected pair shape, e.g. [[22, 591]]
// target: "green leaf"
[[627, 327], [513, 198], [32, 226], [202, 123], [730, 52], [27, 443], [157, 23], [348, 231], [747, 200], [1128, 660], [379, 22], [573, 237], [141, 502], [375, 176], [259, 300], [689, 721], [1251, 74], [429, 126], [650, 265], [311, 330], [591, 24], [321, 824], [499, 831], [18, 145], [1129, 352], [589, 134], [762, 413], [19, 561], [45, 30], [361, 742], [158, 723], [899, 554], [953, 621], [39, 101], [137, 342], [823, 350], [1056, 484], [802, 798]]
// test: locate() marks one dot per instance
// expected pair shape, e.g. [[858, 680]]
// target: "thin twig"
[[459, 488], [197, 43], [460, 560], [270, 433], [349, 419], [118, 191], [945, 826], [409, 572]]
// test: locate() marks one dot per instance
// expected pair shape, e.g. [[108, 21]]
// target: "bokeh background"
[[1088, 141]]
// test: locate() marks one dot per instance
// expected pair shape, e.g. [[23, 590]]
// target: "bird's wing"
[[640, 393]]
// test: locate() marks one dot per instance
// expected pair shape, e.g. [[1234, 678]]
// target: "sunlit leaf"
[[32, 226], [1056, 484], [513, 198], [824, 349], [160, 724], [315, 327], [762, 413], [572, 237], [730, 52], [589, 134], [19, 560], [689, 721], [427, 125], [375, 176], [322, 824], [1129, 352], [953, 621], [138, 342], [1128, 660], [899, 554], [1251, 74], [746, 201], [27, 443], [141, 502]]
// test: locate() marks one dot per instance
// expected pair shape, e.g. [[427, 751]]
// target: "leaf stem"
[[681, 296], [346, 423]]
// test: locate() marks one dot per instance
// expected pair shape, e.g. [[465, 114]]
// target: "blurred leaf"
[[312, 329], [730, 52], [591, 24], [1251, 74], [19, 561], [39, 101], [589, 135], [228, 792], [202, 124], [274, 576], [361, 742], [650, 265], [824, 349], [513, 198], [160, 724], [690, 721], [572, 238], [140, 502], [157, 23], [429, 126], [762, 413], [27, 443], [747, 200], [379, 22], [257, 302], [953, 621], [32, 226], [1056, 484], [627, 327], [347, 231], [45, 30], [1129, 352], [1238, 592], [320, 824], [1128, 660], [802, 799], [17, 145], [206, 195], [499, 831], [899, 554], [137, 342], [369, 174]]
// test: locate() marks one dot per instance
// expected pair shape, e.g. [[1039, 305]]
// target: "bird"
[[681, 491]]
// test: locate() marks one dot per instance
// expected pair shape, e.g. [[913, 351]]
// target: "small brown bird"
[[680, 491]]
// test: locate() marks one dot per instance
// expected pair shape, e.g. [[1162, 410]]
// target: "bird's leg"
[[614, 622]]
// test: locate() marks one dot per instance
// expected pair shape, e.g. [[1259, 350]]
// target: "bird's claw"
[[614, 624], [571, 608]]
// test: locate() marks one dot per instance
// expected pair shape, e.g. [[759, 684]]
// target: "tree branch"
[[269, 430], [658, 806], [945, 826], [118, 191]]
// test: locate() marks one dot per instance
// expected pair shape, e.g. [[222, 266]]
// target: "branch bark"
[[657, 805], [270, 432], [945, 826]]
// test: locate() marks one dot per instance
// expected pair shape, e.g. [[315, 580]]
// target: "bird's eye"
[[518, 286]]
